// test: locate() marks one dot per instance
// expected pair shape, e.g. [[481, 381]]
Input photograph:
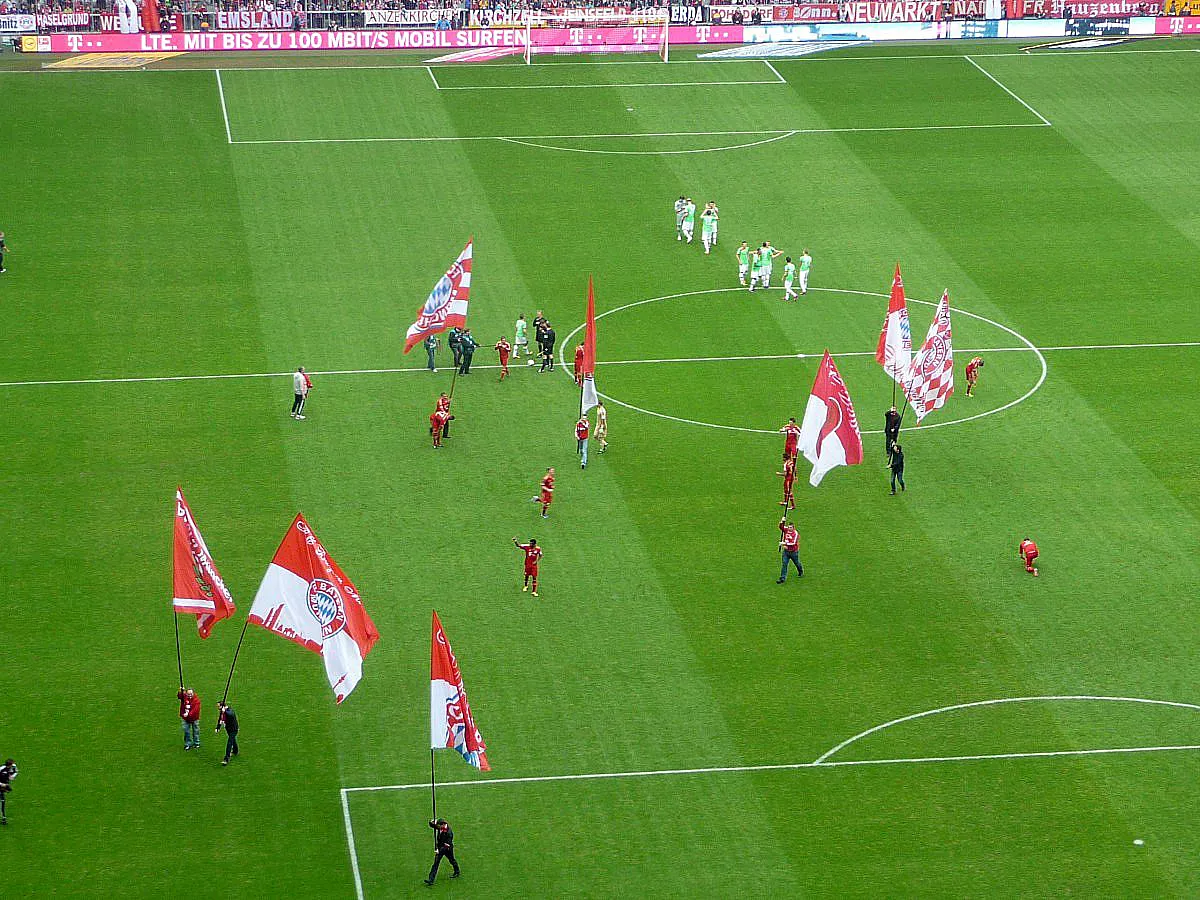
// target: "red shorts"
[[531, 570], [1029, 558], [547, 497]]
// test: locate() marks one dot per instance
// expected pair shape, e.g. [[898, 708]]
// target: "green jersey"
[[789, 272], [755, 261], [743, 256], [708, 221], [521, 327], [805, 263], [689, 214]]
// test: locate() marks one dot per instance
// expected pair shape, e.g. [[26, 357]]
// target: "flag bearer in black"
[[443, 846], [896, 464], [891, 430], [229, 721]]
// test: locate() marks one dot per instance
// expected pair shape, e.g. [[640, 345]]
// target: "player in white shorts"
[[789, 276], [680, 204], [689, 220], [716, 223], [743, 258], [805, 265], [765, 256]]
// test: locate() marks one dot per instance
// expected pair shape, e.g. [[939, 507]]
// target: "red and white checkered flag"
[[931, 376]]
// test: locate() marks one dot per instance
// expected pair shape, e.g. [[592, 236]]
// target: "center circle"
[[1028, 345]]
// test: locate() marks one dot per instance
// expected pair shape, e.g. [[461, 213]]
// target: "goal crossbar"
[[598, 31]]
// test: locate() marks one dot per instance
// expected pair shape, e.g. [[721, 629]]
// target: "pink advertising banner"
[[1178, 25], [406, 39]]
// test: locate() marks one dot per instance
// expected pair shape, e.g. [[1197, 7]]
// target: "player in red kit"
[[546, 495], [789, 480], [532, 554], [579, 366], [437, 421], [1028, 551], [791, 439], [503, 347], [973, 368], [443, 407]]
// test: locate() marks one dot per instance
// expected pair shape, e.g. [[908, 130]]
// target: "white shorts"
[[804, 279], [766, 273], [787, 284], [743, 269], [688, 227]]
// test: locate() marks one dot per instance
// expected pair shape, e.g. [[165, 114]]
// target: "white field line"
[[519, 138], [358, 887], [775, 767], [224, 108], [149, 379], [997, 81], [775, 71], [1057, 698], [436, 86], [677, 62], [619, 84], [691, 150]]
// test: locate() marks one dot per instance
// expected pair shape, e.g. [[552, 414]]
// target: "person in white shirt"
[[301, 385]]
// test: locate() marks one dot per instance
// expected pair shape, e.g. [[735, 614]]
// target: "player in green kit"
[[708, 228], [689, 220], [789, 276], [755, 269], [680, 206], [743, 258], [805, 265]]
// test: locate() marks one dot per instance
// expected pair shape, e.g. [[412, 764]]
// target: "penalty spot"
[[1137, 842]]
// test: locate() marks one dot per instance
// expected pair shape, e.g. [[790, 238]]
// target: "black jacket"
[[443, 839], [891, 423], [897, 460]]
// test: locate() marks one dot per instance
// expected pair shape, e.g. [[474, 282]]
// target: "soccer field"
[[914, 717]]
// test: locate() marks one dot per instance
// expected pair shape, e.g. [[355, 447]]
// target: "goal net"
[[598, 30]]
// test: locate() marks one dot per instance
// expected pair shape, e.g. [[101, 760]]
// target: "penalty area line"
[[779, 767]]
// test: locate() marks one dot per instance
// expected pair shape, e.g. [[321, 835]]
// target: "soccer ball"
[[531, 362]]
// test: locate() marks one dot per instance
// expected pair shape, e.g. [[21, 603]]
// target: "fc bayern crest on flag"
[[325, 603]]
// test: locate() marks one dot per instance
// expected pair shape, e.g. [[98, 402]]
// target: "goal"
[[598, 30]]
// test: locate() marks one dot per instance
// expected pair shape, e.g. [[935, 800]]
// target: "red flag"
[[590, 398], [894, 352], [931, 377], [306, 598], [446, 305], [450, 721], [829, 434], [198, 585]]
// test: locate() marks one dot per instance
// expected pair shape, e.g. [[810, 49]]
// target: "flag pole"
[[229, 680], [433, 788], [178, 652]]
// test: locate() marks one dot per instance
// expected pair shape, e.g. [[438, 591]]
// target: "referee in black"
[[443, 837], [891, 430]]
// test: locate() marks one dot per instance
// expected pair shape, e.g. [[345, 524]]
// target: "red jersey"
[[547, 487], [582, 429], [789, 473], [438, 419], [443, 404], [1029, 549], [791, 439], [791, 537], [579, 357], [973, 368], [189, 709], [503, 347], [532, 555]]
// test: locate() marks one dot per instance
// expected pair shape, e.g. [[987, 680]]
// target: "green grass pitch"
[[162, 224]]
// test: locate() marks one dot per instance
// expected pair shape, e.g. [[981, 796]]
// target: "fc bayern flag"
[[829, 434], [894, 352], [590, 397], [450, 721], [931, 377], [198, 585], [306, 598], [446, 306]]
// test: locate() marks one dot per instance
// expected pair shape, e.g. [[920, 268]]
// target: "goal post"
[[598, 30]]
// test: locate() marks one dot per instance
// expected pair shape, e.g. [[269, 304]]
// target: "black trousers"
[[888, 439], [298, 405], [3, 804], [447, 852], [231, 747], [458, 354], [897, 475], [465, 369]]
